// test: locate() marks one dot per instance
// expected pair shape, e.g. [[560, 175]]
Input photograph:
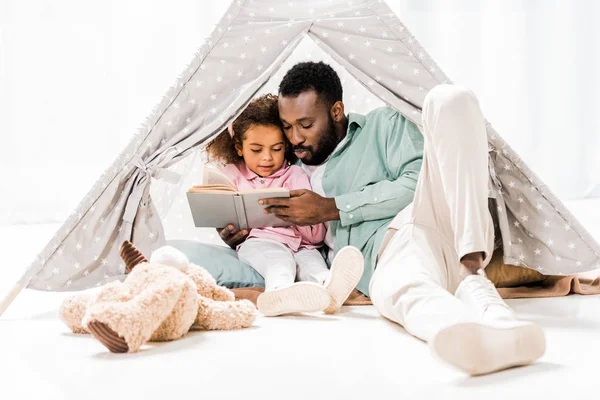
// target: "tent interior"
[[170, 199], [354, 354]]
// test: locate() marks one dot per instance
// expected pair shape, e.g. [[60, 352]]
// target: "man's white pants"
[[280, 266], [418, 272]]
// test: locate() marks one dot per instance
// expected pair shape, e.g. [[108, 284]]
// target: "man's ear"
[[337, 111]]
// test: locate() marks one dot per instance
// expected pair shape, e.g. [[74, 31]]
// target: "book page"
[[255, 212], [213, 176]]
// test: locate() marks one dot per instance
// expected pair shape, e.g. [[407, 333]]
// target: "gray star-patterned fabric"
[[380, 63]]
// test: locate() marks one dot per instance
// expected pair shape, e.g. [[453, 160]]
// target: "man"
[[421, 219]]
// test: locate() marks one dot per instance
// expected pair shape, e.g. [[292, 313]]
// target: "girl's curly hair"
[[262, 111]]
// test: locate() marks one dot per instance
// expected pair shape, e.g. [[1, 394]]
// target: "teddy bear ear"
[[168, 255], [131, 255]]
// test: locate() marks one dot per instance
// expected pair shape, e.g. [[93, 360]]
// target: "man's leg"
[[450, 218]]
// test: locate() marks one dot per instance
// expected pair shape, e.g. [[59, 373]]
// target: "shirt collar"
[[357, 119], [250, 175]]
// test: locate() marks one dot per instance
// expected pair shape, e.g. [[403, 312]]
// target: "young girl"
[[257, 155]]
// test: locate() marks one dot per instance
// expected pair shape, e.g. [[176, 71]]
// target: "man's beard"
[[318, 154]]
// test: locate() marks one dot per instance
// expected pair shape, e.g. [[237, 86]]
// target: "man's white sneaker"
[[479, 349], [479, 294], [346, 270], [296, 298]]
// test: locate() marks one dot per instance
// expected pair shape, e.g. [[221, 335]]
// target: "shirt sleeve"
[[385, 199], [311, 234]]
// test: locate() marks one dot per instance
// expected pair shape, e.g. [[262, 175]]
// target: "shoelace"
[[485, 293]]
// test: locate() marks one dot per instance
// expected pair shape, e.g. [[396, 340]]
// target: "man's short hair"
[[317, 76]]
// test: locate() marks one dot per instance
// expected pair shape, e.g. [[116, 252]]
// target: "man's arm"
[[385, 199]]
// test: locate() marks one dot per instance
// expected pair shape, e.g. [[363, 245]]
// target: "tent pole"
[[10, 297]]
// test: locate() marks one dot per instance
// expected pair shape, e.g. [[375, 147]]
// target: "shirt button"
[[375, 199], [347, 205], [262, 181], [350, 216]]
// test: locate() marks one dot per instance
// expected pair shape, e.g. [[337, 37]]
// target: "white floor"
[[355, 354]]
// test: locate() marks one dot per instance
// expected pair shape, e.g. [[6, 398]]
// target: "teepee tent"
[[140, 196]]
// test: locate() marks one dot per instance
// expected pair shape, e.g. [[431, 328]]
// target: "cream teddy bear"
[[159, 300]]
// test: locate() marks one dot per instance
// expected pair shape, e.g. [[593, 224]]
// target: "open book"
[[217, 203]]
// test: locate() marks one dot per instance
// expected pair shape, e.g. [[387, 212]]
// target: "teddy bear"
[[160, 300]]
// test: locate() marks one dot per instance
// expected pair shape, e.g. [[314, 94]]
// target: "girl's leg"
[[271, 259]]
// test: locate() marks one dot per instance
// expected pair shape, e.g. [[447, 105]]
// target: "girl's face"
[[263, 149]]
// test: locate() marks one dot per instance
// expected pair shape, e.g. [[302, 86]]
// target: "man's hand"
[[232, 236], [304, 207]]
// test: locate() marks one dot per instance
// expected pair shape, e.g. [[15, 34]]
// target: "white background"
[[77, 78]]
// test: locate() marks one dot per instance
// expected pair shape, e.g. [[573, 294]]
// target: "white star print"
[[78, 246], [55, 271], [532, 188], [538, 252], [378, 78], [97, 239], [48, 287], [416, 71], [220, 78], [86, 273], [198, 83], [373, 61], [398, 82], [240, 74], [546, 224], [351, 56], [290, 23], [525, 218], [192, 101], [368, 43], [539, 206], [499, 210], [550, 242], [571, 245], [390, 49], [507, 167], [325, 34], [77, 265], [384, 34], [521, 257], [558, 258], [357, 13], [69, 282], [213, 110], [267, 31], [251, 14], [362, 29], [511, 184], [271, 9], [284, 42], [61, 251], [371, 83], [176, 105], [104, 261], [151, 235], [567, 227], [520, 240], [579, 263], [225, 45], [93, 208], [188, 120], [263, 49], [120, 228], [246, 39], [520, 200], [395, 67], [84, 227], [346, 38], [213, 96], [516, 224], [311, 11]]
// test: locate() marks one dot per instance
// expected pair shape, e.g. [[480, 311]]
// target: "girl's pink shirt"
[[290, 177]]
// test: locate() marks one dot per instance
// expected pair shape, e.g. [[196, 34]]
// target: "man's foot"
[[346, 270], [479, 349], [481, 296], [298, 297]]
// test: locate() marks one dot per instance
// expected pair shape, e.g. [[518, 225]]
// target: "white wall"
[[77, 78]]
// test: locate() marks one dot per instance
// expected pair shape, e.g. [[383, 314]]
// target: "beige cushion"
[[506, 275]]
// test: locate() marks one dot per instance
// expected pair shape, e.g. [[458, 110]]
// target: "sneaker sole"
[[479, 349], [299, 297], [346, 271]]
